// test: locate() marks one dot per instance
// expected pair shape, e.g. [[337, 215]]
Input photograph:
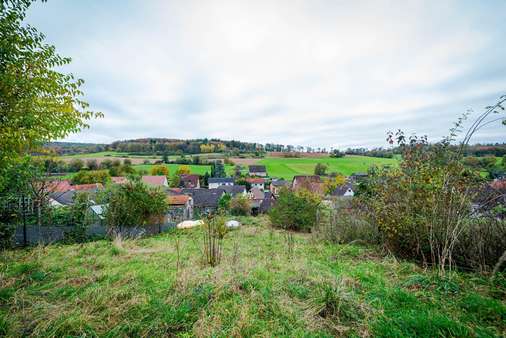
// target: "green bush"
[[134, 204], [91, 176], [240, 205], [295, 210]]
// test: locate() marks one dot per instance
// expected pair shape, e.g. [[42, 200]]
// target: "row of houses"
[[190, 200]]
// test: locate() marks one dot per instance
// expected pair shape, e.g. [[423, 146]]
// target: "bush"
[[91, 176], [240, 205], [75, 165], [6, 234], [320, 169], [481, 244], [92, 164], [134, 204], [295, 210], [127, 161], [160, 170], [341, 224]]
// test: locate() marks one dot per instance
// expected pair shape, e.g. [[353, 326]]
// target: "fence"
[[51, 234]]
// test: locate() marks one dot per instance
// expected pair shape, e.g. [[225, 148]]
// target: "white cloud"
[[319, 73]]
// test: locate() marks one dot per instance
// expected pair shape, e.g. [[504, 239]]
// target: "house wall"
[[217, 185], [257, 185]]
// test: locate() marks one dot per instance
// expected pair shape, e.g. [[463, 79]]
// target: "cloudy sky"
[[314, 73]]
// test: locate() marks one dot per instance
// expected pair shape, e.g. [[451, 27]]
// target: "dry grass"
[[133, 287]]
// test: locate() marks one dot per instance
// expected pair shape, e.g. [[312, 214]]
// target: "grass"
[[194, 169], [132, 288], [289, 167]]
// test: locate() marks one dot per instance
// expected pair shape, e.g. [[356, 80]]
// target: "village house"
[[345, 190], [205, 201], [180, 208], [257, 170], [218, 182], [155, 181], [311, 183], [189, 181], [234, 189], [261, 201], [276, 186], [256, 182]]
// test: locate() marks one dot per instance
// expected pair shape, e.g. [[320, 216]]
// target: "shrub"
[[295, 210], [91, 176], [341, 224], [6, 234], [106, 164], [160, 170], [92, 164], [224, 203], [134, 204], [183, 169], [76, 165], [240, 205], [127, 161], [320, 169], [214, 232], [481, 244]]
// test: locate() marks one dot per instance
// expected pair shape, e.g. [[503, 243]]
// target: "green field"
[[289, 167], [194, 169], [132, 288]]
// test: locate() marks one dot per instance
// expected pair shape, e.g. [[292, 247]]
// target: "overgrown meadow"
[[269, 283]]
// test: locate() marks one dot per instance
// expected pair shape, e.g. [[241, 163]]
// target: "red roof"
[[256, 180], [177, 199], [498, 184], [119, 180], [155, 180], [91, 186], [59, 186], [311, 182], [189, 180]]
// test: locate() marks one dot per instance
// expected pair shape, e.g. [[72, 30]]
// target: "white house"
[[216, 182]]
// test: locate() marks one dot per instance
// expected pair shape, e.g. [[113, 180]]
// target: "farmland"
[[276, 166], [134, 288], [289, 167]]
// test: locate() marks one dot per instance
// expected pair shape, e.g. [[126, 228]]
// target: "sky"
[[313, 73]]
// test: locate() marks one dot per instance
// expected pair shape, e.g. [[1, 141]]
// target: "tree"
[[337, 153], [76, 164], [183, 170], [320, 169], [330, 184], [160, 170], [224, 202], [91, 176], [240, 205], [134, 204], [92, 164], [37, 103], [217, 169], [165, 158], [175, 181], [295, 210]]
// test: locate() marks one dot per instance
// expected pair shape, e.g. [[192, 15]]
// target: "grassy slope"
[[106, 289], [288, 167]]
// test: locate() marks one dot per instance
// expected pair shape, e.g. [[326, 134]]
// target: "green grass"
[[132, 288], [194, 169], [289, 167]]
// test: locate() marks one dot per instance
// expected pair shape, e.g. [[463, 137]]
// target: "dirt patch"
[[296, 154], [244, 161]]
